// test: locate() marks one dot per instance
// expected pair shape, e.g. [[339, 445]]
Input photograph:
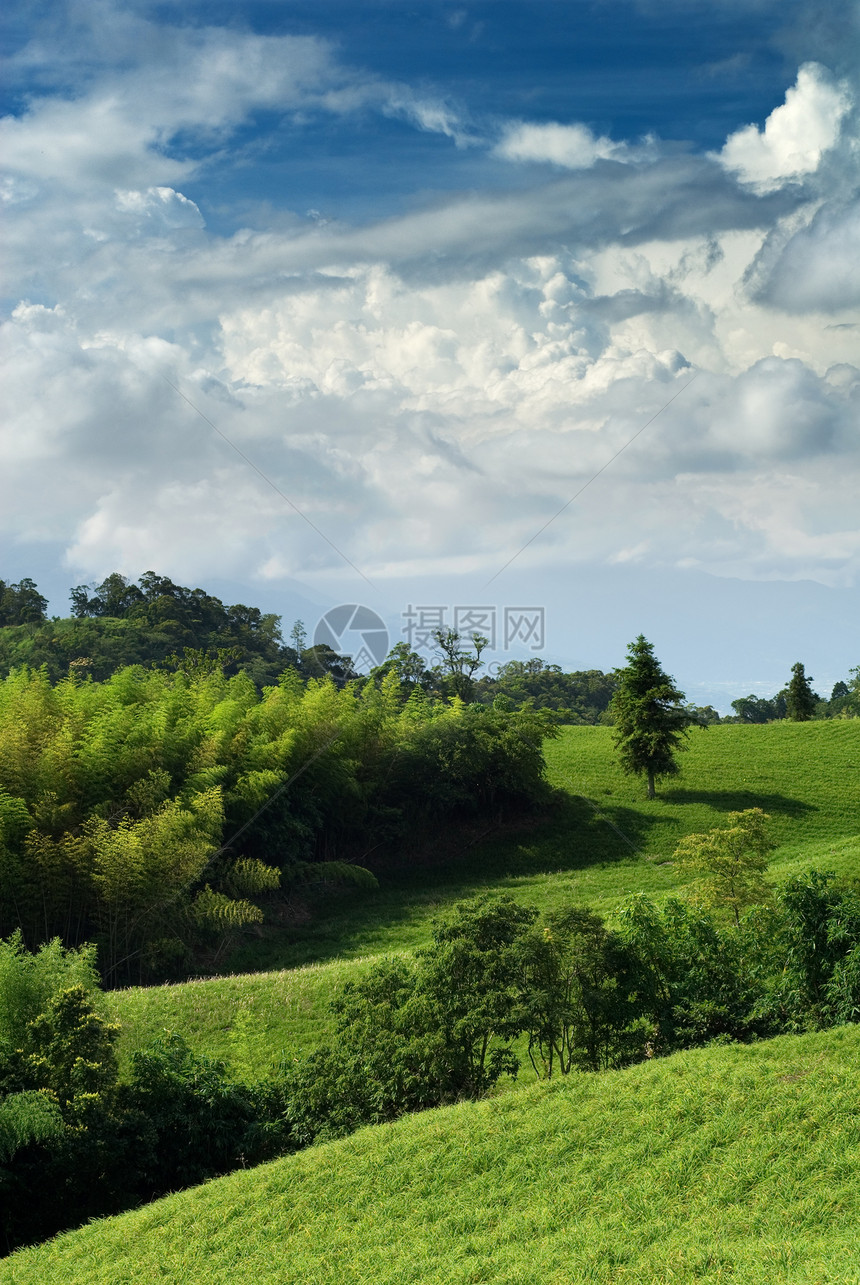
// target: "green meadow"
[[599, 841], [725, 1164]]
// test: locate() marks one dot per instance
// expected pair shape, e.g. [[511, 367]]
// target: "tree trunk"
[[651, 792]]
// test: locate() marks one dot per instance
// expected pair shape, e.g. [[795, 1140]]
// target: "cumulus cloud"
[[416, 422], [431, 386], [818, 267], [160, 205], [795, 136], [572, 147]]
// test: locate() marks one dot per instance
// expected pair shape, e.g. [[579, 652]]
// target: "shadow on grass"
[[740, 800], [569, 835], [576, 833]]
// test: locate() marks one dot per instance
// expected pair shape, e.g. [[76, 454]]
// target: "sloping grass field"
[[726, 1164], [601, 841], [732, 1163]]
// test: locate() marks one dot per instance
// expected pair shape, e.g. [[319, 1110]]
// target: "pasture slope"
[[726, 1164], [602, 840]]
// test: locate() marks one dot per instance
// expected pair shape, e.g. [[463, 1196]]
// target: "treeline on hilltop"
[[500, 989], [159, 624], [120, 623]]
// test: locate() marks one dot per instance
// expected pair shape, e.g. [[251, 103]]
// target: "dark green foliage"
[[579, 697], [21, 604], [458, 663], [758, 709], [698, 980], [29, 1116], [801, 700], [649, 716], [582, 995], [471, 977], [203, 1123], [409, 669], [375, 1069], [470, 761], [587, 997], [844, 699], [74, 1142], [416, 1035], [819, 934], [702, 715], [155, 622]]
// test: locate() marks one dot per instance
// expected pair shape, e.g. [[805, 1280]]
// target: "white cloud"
[[431, 387], [818, 267], [430, 115], [202, 83], [795, 136], [415, 422], [572, 147], [160, 206]]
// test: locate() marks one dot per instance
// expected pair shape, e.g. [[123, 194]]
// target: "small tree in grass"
[[732, 861], [649, 715], [801, 700]]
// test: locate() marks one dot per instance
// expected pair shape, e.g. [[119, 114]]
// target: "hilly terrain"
[[723, 1164], [601, 841], [730, 1162]]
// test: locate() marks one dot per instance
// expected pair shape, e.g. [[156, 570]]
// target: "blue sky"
[[430, 267]]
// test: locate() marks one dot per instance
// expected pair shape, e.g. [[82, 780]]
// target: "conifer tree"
[[801, 700], [650, 720]]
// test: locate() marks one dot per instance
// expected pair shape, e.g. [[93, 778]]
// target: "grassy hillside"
[[806, 775], [602, 841], [724, 1164]]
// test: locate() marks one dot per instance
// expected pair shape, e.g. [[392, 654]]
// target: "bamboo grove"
[[156, 811]]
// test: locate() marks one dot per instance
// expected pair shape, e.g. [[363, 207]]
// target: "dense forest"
[[159, 624]]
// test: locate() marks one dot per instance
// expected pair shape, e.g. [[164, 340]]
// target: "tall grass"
[[729, 1164]]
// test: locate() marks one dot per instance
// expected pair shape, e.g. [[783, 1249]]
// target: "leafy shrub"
[[698, 979], [412, 1035], [29, 982], [75, 1143], [818, 931], [470, 760], [203, 1123]]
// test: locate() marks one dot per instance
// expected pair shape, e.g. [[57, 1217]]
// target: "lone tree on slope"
[[801, 700], [650, 720]]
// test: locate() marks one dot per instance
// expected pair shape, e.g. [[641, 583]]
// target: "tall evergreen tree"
[[801, 700], [650, 720]]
